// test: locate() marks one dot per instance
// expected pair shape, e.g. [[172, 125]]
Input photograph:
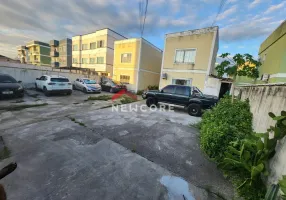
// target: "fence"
[[264, 99], [28, 73]]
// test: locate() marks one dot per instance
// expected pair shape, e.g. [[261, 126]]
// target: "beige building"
[[95, 51], [189, 59], [137, 63]]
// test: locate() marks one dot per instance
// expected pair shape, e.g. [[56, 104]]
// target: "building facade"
[[95, 51], [61, 53], [35, 53], [137, 63], [189, 59], [272, 55], [22, 54]]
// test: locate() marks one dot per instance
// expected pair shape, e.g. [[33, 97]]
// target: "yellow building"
[[189, 59], [95, 50], [137, 63], [35, 53]]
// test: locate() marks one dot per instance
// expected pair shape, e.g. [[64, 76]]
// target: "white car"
[[86, 85], [53, 84]]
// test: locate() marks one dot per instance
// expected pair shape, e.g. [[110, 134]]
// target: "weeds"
[[100, 98], [21, 107], [5, 153], [77, 122]]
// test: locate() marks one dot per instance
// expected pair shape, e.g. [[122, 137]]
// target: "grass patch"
[[21, 107], [77, 122], [195, 125], [5, 153], [100, 98], [126, 99]]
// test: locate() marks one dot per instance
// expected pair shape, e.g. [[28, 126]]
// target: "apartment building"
[[37, 53], [272, 55], [61, 53], [137, 63], [22, 53], [189, 59], [95, 51]]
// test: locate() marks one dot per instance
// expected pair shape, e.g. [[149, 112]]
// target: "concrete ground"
[[76, 149]]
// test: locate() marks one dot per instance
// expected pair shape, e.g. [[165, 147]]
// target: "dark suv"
[[190, 97]]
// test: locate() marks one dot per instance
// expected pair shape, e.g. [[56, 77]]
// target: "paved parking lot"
[[77, 149]]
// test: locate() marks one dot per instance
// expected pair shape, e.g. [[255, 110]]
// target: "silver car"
[[86, 85]]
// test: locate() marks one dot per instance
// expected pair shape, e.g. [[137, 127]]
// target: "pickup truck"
[[188, 96]]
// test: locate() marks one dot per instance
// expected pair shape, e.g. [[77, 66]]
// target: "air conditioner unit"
[[265, 77], [164, 75]]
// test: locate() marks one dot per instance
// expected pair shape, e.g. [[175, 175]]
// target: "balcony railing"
[[54, 53]]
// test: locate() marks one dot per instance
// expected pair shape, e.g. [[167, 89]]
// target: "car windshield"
[[87, 81], [7, 79], [59, 80], [198, 91]]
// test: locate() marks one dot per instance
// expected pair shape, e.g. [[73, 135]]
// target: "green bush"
[[153, 87], [225, 123], [140, 92], [100, 98], [126, 99]]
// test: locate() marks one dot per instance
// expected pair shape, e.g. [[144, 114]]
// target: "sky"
[[243, 24]]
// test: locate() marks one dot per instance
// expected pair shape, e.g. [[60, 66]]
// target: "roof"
[[141, 38], [101, 30], [193, 32], [273, 37]]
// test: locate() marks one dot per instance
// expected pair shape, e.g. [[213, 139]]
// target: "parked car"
[[190, 97], [112, 86], [9, 87], [86, 85], [53, 84]]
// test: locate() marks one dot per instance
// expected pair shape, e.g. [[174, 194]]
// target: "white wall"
[[265, 99], [28, 73], [212, 86]]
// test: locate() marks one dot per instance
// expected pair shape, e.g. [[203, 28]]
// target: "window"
[[185, 56], [84, 46], [126, 58], [91, 60], [74, 60], [181, 82], [75, 47], [124, 79], [99, 60], [93, 45], [84, 60], [59, 80], [168, 89], [100, 44], [197, 92], [182, 90], [104, 74]]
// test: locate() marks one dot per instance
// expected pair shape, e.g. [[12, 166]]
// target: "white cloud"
[[254, 3], [275, 7], [227, 13]]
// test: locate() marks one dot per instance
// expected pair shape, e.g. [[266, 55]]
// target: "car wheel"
[[111, 90], [195, 109], [69, 92], [84, 90], [21, 95], [46, 92], [73, 87], [36, 87], [151, 101]]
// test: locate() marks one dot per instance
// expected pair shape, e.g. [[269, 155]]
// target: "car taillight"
[[51, 83]]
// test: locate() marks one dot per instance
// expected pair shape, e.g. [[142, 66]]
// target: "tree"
[[239, 65]]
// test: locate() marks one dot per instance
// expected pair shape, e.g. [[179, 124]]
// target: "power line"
[[146, 7], [222, 3]]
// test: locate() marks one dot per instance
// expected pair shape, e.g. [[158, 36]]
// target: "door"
[[76, 83], [166, 94], [105, 86], [41, 81], [182, 95]]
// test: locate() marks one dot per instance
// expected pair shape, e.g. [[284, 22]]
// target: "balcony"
[[55, 64], [54, 43], [54, 53]]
